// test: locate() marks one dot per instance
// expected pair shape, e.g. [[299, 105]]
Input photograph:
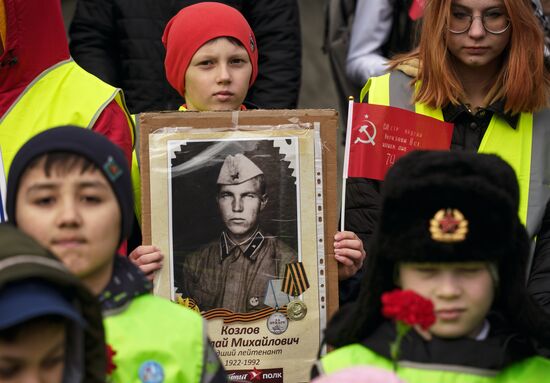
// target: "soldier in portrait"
[[234, 271]]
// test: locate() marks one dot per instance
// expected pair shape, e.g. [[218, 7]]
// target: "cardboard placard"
[[266, 306]]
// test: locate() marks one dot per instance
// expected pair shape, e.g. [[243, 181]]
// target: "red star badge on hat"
[[448, 225]]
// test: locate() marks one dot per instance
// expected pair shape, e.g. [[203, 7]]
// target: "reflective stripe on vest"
[[524, 148], [534, 369], [156, 331]]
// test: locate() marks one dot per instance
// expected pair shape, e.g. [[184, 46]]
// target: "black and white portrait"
[[234, 219]]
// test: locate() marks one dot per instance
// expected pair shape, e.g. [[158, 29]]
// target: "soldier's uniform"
[[235, 276]]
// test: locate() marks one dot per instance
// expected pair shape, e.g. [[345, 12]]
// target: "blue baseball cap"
[[24, 300]]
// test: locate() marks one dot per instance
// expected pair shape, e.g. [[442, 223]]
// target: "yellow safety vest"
[[64, 94], [525, 148], [155, 332], [532, 369]]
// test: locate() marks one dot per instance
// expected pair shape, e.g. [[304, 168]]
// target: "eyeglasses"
[[495, 22]]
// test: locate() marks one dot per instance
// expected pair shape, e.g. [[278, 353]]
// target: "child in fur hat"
[[69, 188], [448, 230], [212, 61]]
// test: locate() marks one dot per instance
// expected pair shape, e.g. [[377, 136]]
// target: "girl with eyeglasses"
[[479, 65]]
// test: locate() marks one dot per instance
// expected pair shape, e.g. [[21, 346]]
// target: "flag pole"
[[346, 163]]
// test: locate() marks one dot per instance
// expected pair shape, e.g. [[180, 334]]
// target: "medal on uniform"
[[296, 310], [277, 323], [295, 283]]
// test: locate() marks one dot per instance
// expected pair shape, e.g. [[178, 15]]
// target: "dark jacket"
[[120, 42], [21, 258]]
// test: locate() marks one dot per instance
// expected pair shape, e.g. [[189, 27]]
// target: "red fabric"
[[35, 41], [110, 353], [113, 124], [417, 9], [197, 24], [408, 307], [382, 134]]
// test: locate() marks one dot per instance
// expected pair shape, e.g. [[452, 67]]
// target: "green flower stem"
[[395, 347]]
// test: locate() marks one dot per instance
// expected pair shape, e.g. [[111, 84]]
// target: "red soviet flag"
[[382, 134]]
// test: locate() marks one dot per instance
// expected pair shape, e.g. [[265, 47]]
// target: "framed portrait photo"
[[243, 205]]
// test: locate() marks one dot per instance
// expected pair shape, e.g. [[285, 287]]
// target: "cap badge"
[[448, 225], [237, 169], [254, 301], [233, 167], [112, 169]]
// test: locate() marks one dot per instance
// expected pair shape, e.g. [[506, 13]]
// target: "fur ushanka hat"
[[445, 207], [449, 207]]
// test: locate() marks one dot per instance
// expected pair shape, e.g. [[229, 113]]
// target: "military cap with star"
[[237, 169]]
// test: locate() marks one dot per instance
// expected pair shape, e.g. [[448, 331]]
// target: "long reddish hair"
[[523, 81]]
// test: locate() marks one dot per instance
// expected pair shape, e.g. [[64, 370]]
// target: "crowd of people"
[[466, 231]]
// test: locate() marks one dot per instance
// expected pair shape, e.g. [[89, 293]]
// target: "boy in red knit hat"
[[212, 61], [211, 56]]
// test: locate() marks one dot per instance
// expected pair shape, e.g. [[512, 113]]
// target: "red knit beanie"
[[194, 26]]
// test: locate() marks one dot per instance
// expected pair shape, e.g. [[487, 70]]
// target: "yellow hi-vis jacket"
[[63, 94], [532, 369]]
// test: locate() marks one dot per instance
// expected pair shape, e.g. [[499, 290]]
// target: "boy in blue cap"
[[50, 325]]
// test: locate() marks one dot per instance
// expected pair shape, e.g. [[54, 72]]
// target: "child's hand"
[[148, 259], [349, 253]]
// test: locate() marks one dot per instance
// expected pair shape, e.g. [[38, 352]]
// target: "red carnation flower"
[[111, 366], [408, 309]]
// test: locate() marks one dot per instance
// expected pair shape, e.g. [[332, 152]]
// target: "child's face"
[[462, 294], [75, 215], [218, 76], [35, 355]]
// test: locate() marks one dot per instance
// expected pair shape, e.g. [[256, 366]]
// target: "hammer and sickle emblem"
[[364, 129]]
